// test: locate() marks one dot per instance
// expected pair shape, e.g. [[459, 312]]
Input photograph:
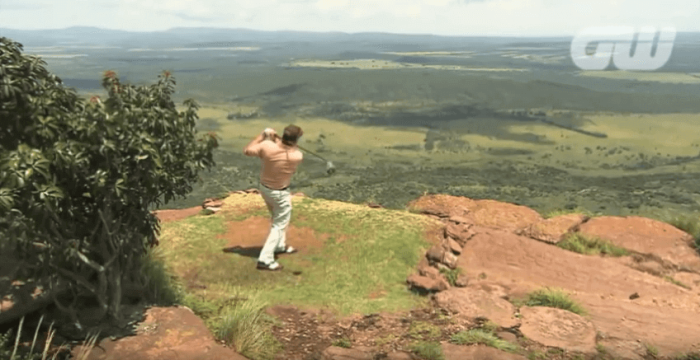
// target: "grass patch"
[[428, 350], [552, 298], [690, 356], [479, 336], [161, 287], [689, 224], [240, 321], [381, 248], [451, 275], [589, 245], [536, 355], [343, 343], [676, 282], [421, 330], [651, 350]]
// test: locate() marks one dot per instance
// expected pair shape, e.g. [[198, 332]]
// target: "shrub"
[[77, 178]]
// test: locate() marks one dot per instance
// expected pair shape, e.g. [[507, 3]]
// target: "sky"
[[438, 17]]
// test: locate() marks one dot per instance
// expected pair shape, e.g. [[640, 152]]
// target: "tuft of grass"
[[676, 282], [205, 212], [490, 326], [689, 356], [11, 351], [246, 326], [601, 349], [536, 355], [554, 298], [421, 330], [651, 350], [589, 245], [428, 350], [479, 336], [161, 286], [343, 343], [451, 275]]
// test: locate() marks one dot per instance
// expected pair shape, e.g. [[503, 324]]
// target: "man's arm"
[[253, 148]]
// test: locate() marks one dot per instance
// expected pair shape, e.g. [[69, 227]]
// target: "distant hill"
[[80, 35]]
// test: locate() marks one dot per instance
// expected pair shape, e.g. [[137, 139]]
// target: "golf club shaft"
[[306, 150]]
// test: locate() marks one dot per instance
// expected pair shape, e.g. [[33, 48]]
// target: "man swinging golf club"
[[280, 158]]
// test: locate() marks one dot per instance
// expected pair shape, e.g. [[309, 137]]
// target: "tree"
[[77, 177]]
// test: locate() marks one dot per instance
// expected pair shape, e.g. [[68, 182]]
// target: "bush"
[[77, 178]]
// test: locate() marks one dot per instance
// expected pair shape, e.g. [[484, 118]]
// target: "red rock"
[[425, 283], [558, 328], [462, 281], [460, 233], [167, 333], [459, 220], [469, 303], [436, 253], [476, 352], [429, 271], [398, 355], [552, 230], [450, 259], [338, 353], [454, 246], [646, 236]]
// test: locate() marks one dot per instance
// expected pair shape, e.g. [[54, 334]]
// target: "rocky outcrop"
[[506, 251], [167, 333], [558, 328]]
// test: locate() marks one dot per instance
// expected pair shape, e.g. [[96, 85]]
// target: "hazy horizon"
[[470, 18]]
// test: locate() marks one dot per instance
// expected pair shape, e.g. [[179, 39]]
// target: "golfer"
[[280, 158]]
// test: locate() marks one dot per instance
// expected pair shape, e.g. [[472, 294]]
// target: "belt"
[[275, 189]]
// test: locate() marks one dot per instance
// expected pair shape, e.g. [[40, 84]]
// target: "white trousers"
[[279, 202]]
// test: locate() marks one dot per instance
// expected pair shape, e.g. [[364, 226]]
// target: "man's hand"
[[269, 133]]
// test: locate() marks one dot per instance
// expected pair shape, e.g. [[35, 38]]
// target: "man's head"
[[291, 135]]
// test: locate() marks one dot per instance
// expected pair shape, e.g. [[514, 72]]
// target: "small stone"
[[634, 296], [454, 246], [462, 281], [450, 260], [436, 253]]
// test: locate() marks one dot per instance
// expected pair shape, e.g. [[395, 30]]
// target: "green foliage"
[[421, 330], [479, 336], [428, 350], [651, 350], [77, 178], [343, 343], [588, 245], [451, 275], [161, 287], [554, 298], [245, 325], [689, 224]]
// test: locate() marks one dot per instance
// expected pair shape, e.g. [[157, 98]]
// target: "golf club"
[[330, 169]]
